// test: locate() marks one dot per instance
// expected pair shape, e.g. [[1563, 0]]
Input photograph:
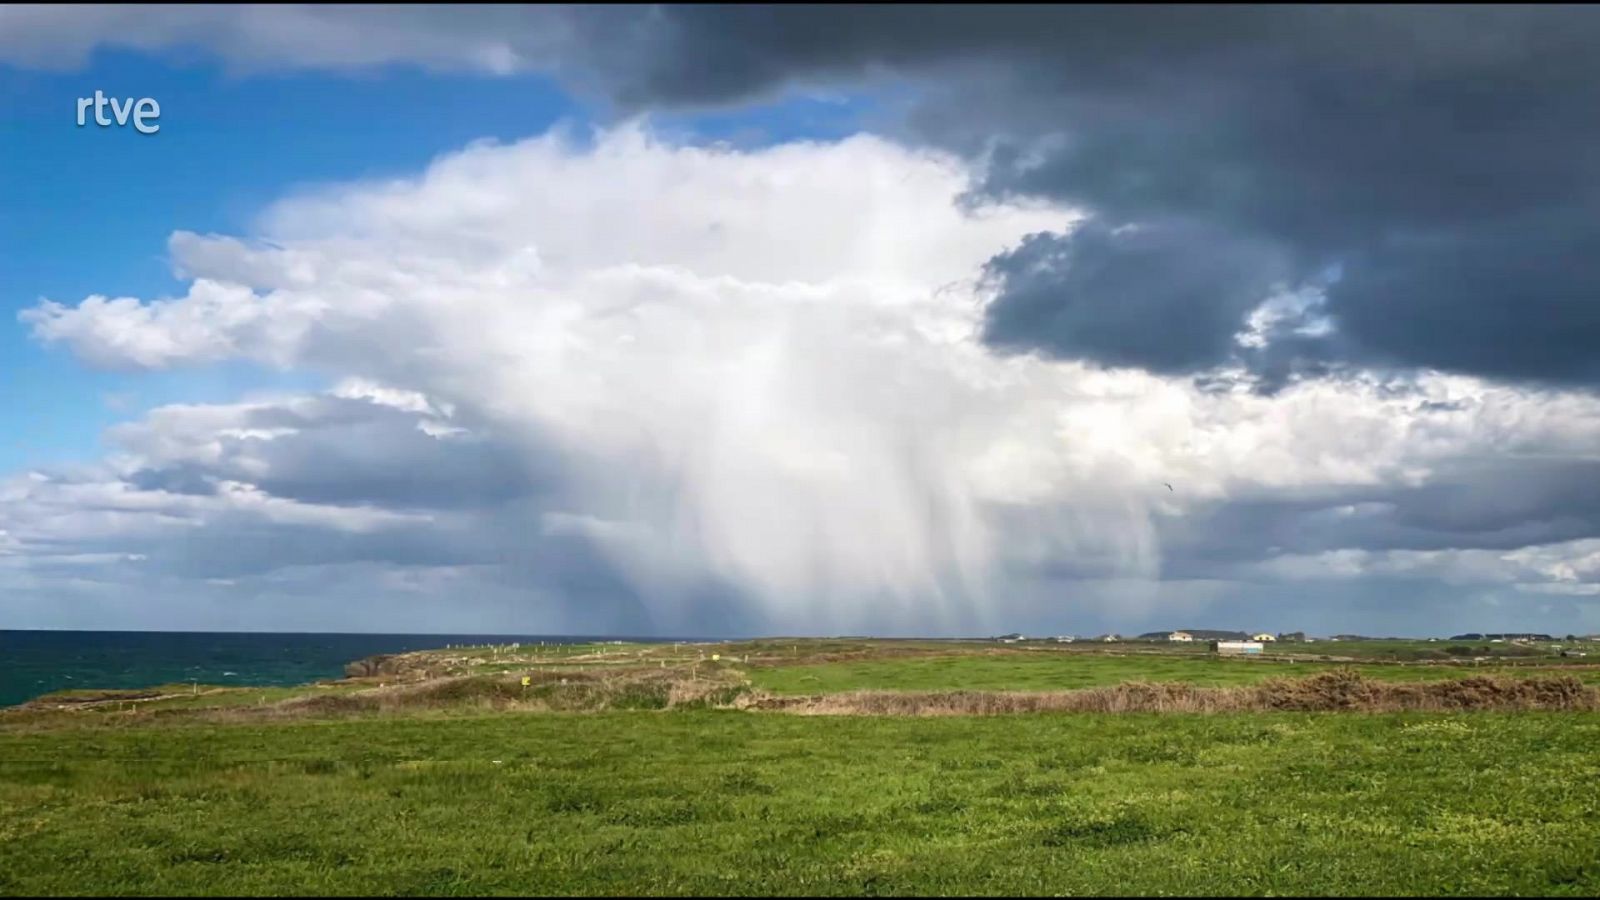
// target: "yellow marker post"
[[716, 656]]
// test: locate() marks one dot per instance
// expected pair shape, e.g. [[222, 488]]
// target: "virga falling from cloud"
[[752, 375]]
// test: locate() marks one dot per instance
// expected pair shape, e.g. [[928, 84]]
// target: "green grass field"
[[727, 802], [457, 784], [1058, 670]]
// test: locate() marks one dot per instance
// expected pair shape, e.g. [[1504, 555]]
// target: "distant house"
[[1263, 637], [1010, 638], [1066, 638], [1109, 638], [1197, 634], [1180, 636], [1236, 648]]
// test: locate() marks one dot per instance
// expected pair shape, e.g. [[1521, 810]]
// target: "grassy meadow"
[[1066, 670], [463, 781]]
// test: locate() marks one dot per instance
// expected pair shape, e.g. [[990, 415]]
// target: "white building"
[[1181, 636], [1263, 637], [1234, 648]]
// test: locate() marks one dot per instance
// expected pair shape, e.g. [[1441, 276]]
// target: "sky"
[[866, 320]]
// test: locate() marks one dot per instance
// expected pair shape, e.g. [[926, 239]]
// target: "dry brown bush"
[[1340, 690], [655, 689]]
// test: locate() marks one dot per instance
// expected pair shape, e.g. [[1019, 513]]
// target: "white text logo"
[[144, 111]]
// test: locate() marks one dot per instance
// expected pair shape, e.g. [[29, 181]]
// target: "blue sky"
[[88, 210]]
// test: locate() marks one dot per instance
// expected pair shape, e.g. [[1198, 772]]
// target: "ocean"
[[37, 662]]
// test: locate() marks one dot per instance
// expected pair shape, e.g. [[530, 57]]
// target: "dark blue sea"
[[36, 662]]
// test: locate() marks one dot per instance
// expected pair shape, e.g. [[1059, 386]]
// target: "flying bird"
[[1169, 487]]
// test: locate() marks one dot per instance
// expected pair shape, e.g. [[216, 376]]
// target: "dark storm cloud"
[[1168, 298], [1440, 156], [1443, 157], [1507, 299], [1492, 504]]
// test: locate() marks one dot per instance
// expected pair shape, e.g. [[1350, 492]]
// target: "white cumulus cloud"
[[744, 380]]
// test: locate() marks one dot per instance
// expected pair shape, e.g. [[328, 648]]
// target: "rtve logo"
[[144, 111]]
